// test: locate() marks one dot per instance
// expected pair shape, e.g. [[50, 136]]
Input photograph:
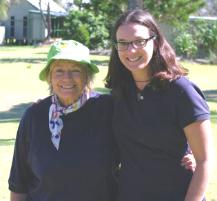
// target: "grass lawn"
[[20, 86]]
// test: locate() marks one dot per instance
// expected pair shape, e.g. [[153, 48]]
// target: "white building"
[[25, 22]]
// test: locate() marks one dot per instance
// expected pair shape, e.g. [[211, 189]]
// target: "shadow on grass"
[[14, 114], [41, 53], [23, 60], [39, 60], [211, 95], [101, 62], [7, 142], [10, 116]]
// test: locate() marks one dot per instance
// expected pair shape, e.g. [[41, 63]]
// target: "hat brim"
[[44, 72]]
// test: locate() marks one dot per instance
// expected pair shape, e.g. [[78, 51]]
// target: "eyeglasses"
[[124, 45]]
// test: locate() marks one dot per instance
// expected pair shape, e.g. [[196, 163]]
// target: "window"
[[12, 28], [24, 27]]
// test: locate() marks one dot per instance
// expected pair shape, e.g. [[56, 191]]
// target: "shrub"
[[206, 33], [185, 45], [212, 57], [86, 28], [197, 37]]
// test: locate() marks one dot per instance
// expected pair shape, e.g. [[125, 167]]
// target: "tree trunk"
[[42, 15], [132, 4], [48, 23], [46, 20]]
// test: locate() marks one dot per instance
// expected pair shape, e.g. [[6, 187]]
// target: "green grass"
[[20, 86]]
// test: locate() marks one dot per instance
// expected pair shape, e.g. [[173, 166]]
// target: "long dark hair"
[[164, 66]]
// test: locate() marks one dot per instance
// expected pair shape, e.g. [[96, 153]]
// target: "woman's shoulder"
[[101, 103], [37, 110], [103, 98], [183, 86], [40, 106], [182, 83]]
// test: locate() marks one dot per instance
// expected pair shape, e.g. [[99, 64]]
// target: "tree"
[[107, 9], [48, 22], [3, 9], [173, 11], [170, 11], [86, 28], [4, 5], [46, 19]]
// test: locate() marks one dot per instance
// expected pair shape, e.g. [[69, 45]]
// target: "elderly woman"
[[64, 148]]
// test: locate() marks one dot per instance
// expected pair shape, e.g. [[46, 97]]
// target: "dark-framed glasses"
[[139, 43]]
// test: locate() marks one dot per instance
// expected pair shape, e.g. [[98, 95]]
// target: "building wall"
[[35, 27]]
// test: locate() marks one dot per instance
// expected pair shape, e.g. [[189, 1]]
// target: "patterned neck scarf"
[[56, 111]]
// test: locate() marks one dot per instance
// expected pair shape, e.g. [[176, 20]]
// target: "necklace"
[[143, 81]]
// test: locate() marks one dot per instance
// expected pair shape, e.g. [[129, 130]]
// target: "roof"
[[203, 18], [54, 7], [52, 13]]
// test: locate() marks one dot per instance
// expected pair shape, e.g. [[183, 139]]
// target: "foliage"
[[171, 11], [212, 57], [206, 33], [105, 12], [185, 44], [201, 34], [86, 28], [3, 9], [108, 9], [4, 6]]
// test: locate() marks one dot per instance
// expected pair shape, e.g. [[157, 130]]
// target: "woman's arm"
[[17, 196], [199, 137]]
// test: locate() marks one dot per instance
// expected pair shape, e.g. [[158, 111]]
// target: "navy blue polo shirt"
[[83, 167], [149, 132]]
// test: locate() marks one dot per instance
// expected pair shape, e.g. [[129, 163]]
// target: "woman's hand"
[[188, 161], [17, 196]]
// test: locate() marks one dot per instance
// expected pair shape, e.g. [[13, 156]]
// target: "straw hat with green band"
[[67, 50]]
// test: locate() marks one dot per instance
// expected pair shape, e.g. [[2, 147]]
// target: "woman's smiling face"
[[68, 80], [135, 59]]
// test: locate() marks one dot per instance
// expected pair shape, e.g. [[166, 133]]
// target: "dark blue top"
[[83, 167], [149, 132]]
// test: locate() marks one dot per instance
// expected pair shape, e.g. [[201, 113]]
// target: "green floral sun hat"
[[67, 50]]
